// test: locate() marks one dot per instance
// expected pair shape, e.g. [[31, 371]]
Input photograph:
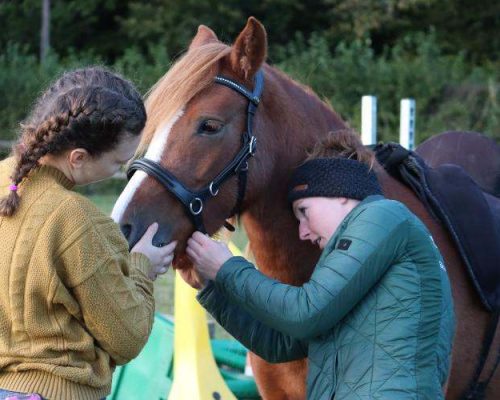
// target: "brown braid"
[[90, 108]]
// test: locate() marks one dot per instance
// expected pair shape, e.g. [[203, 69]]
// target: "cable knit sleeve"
[[118, 306], [111, 286]]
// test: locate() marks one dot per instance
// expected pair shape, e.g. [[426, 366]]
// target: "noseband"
[[193, 200]]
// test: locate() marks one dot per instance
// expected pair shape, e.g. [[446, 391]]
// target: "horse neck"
[[307, 117], [268, 219]]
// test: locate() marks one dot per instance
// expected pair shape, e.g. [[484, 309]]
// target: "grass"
[[104, 202], [164, 285]]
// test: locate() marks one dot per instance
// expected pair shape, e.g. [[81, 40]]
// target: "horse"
[[199, 117]]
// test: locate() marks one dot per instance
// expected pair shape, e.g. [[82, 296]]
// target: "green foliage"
[[144, 70], [450, 95], [85, 25], [443, 53], [109, 27], [22, 79], [172, 23]]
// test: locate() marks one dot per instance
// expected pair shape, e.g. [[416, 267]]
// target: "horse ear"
[[249, 50], [203, 36]]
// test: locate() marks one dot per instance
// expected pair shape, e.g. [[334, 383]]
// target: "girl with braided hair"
[[375, 320], [75, 302]]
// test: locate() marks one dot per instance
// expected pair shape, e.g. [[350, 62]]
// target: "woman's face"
[[93, 169], [319, 217]]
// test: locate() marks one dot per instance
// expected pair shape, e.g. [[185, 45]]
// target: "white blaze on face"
[[159, 142], [127, 194], [154, 152]]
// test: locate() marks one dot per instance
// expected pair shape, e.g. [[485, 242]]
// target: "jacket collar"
[[352, 214]]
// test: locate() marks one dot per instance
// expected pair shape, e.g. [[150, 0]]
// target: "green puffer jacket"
[[375, 320]]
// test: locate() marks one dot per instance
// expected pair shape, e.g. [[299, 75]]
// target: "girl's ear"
[[78, 157]]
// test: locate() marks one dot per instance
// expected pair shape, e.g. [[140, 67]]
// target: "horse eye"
[[210, 127]]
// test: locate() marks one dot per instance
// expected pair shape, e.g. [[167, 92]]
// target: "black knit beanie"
[[333, 177]]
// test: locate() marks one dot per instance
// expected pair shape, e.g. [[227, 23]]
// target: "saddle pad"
[[470, 217]]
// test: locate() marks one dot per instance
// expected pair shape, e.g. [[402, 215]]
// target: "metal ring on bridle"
[[212, 191], [200, 202]]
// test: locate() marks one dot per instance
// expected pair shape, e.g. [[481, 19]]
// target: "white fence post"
[[407, 124], [369, 120]]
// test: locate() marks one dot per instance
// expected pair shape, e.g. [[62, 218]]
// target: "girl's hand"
[[207, 254], [160, 257]]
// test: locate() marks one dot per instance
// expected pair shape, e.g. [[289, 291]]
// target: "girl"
[[74, 301], [375, 320]]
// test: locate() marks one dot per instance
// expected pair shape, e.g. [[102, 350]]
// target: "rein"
[[194, 200]]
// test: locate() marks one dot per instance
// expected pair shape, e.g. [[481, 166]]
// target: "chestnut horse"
[[194, 130]]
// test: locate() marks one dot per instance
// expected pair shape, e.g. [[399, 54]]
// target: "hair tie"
[[13, 188]]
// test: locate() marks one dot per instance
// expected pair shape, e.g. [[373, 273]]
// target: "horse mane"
[[192, 73]]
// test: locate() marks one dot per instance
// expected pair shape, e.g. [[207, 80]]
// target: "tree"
[[45, 33]]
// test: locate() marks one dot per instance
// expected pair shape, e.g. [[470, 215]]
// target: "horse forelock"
[[192, 73]]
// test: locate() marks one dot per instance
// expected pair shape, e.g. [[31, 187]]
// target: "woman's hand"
[[207, 254], [160, 257]]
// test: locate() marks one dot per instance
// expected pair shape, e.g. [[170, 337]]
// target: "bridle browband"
[[192, 200]]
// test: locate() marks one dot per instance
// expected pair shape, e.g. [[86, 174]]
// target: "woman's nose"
[[303, 231]]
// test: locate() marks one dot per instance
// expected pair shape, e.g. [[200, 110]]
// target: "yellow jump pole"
[[196, 375]]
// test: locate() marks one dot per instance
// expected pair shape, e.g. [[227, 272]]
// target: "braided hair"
[[90, 108]]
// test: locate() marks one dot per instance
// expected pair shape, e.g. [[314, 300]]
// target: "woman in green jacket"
[[376, 317]]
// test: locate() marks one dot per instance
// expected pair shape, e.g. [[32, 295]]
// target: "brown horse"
[[194, 130]]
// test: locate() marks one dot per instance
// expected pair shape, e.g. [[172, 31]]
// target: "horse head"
[[195, 129]]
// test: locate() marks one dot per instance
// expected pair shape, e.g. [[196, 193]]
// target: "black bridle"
[[192, 200]]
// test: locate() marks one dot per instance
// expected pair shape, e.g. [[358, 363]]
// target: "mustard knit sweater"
[[73, 301]]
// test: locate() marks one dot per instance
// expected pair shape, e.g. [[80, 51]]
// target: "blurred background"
[[442, 53]]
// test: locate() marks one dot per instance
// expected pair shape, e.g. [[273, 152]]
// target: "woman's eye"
[[210, 127]]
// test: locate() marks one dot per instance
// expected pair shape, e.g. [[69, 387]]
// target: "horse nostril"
[[126, 229]]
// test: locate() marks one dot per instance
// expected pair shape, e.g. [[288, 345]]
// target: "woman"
[[74, 302], [375, 319]]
